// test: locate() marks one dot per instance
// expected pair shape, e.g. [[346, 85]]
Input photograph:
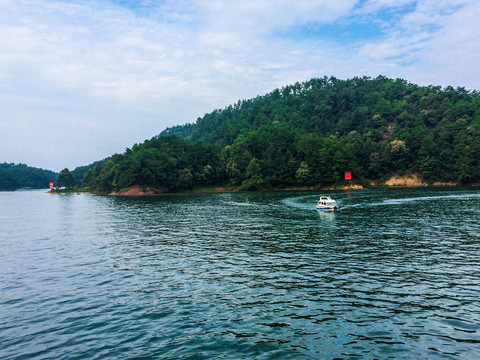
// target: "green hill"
[[309, 134], [16, 176]]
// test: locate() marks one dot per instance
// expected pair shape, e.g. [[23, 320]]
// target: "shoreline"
[[137, 191], [395, 181]]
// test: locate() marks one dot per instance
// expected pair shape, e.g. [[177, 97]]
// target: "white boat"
[[326, 203]]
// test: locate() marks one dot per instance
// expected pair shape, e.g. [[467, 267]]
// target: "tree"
[[398, 154], [66, 178], [254, 178], [185, 180], [429, 168], [303, 173]]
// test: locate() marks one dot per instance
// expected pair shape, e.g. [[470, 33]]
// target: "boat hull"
[[323, 208]]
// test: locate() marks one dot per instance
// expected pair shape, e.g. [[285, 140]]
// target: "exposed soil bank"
[[407, 180], [413, 180], [137, 191]]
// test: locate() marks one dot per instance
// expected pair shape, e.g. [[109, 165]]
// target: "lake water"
[[395, 274]]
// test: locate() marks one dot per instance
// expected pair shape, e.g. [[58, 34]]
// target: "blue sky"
[[82, 80]]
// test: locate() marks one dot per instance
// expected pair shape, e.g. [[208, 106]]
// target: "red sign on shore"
[[348, 175], [51, 185]]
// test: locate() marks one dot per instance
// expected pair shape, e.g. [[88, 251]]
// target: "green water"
[[394, 274]]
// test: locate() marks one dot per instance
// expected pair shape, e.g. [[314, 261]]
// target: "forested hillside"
[[167, 163], [16, 176], [309, 134]]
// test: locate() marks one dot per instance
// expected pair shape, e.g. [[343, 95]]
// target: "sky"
[[81, 80]]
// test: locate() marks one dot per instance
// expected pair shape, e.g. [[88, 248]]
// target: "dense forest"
[[167, 163], [17, 176], [309, 134]]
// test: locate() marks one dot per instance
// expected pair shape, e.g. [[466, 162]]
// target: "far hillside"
[[17, 176], [309, 134]]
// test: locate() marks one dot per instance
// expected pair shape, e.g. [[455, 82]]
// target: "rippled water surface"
[[395, 274]]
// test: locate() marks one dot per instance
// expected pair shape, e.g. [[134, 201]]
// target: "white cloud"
[[110, 75], [265, 16], [435, 43]]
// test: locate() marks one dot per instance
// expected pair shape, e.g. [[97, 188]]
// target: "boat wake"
[[406, 201], [308, 202], [426, 198], [301, 202]]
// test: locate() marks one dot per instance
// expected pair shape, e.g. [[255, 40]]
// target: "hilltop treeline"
[[309, 134], [16, 176]]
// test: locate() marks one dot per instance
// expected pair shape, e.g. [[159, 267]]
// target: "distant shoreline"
[[396, 181]]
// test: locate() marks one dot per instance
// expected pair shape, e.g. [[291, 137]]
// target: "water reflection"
[[245, 252], [249, 275]]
